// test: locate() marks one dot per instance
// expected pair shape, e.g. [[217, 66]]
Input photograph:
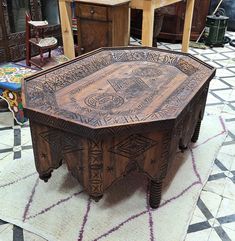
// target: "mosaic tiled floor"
[[214, 216]]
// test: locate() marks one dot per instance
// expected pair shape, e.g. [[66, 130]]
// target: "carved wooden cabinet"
[[173, 22], [3, 30], [102, 25], [12, 25]]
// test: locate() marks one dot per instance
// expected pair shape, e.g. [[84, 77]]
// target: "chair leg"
[[49, 53], [28, 54]]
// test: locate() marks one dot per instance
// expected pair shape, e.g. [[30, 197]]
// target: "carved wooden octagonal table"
[[114, 110]]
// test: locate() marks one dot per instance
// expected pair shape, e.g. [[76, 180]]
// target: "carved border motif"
[[95, 160], [133, 146]]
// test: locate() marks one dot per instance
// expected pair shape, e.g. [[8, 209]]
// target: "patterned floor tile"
[[226, 161], [218, 84], [229, 189], [7, 234], [225, 215], [224, 72], [216, 56], [214, 109], [215, 64], [198, 217], [227, 62], [230, 234], [229, 54], [5, 152], [228, 147], [28, 236], [222, 95], [228, 81], [229, 109], [209, 204], [205, 51], [217, 235], [212, 99], [7, 137], [202, 235], [3, 226], [6, 119], [217, 185]]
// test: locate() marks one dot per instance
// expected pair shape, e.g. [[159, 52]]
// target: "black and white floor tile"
[[214, 216]]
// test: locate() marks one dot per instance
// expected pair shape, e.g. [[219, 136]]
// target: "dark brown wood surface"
[[115, 110]]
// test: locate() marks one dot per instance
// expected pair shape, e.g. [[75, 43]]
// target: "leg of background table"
[[155, 193], [147, 25], [187, 25], [66, 28]]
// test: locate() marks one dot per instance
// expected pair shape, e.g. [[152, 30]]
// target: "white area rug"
[[60, 211]]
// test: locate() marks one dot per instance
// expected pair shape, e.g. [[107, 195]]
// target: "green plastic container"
[[216, 27]]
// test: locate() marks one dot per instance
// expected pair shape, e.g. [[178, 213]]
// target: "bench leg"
[[155, 193]]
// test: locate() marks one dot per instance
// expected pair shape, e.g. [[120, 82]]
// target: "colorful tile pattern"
[[11, 76]]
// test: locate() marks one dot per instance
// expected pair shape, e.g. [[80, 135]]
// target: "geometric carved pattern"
[[186, 67], [133, 146], [60, 142], [104, 101], [129, 87], [95, 160]]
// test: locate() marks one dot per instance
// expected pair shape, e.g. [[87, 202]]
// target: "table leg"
[[96, 198], [155, 193], [196, 131], [147, 24], [187, 25], [66, 28], [183, 147], [47, 149]]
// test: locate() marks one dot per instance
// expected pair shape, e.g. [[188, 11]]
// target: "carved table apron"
[[114, 110]]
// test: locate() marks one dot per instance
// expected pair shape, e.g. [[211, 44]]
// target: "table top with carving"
[[116, 87]]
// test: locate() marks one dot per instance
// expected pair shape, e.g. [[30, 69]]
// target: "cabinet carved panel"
[[101, 26]]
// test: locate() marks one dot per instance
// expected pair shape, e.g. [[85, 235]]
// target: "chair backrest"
[[27, 30]]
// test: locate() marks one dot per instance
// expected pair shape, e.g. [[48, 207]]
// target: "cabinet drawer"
[[92, 12]]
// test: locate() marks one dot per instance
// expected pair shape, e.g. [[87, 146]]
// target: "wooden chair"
[[35, 36]]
